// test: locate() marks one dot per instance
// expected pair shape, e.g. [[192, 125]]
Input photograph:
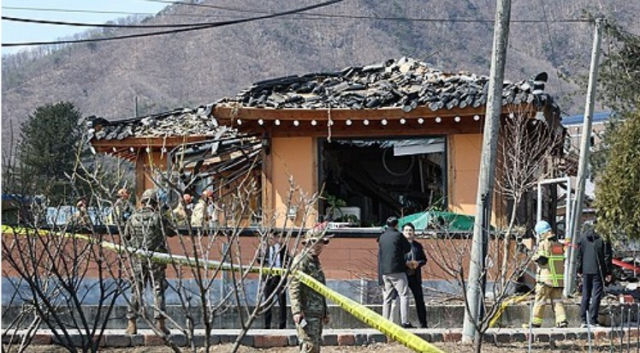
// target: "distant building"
[[573, 124]]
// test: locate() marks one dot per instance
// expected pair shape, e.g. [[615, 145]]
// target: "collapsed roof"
[[402, 84], [179, 122], [405, 83]]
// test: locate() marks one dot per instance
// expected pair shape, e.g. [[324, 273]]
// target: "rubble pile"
[[405, 83]]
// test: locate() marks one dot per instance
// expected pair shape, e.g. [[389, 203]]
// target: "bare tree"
[[450, 254], [55, 272], [203, 255], [529, 149], [63, 267], [62, 273]]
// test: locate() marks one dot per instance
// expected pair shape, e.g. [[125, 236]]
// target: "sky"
[[26, 32]]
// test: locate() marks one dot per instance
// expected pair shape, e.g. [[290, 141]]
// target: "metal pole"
[[539, 204], [136, 106], [531, 304], [621, 327], [487, 167], [638, 328], [584, 158], [629, 329], [613, 324]]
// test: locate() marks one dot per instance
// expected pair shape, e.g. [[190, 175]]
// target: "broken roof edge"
[[232, 113]]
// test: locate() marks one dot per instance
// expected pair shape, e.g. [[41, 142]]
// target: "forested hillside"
[[199, 67]]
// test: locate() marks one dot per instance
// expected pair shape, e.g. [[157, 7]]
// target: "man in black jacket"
[[416, 258], [392, 248], [594, 264], [276, 255]]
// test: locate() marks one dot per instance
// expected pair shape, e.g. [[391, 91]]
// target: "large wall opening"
[[378, 178]]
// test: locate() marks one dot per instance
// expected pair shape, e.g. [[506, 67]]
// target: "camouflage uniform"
[[81, 217], [308, 302], [200, 215], [180, 215], [146, 230], [122, 211]]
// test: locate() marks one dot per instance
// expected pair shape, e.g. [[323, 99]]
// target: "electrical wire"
[[348, 16], [48, 9], [552, 47], [299, 16], [111, 25], [173, 31]]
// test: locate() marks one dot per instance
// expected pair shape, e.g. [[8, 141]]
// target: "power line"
[[47, 9], [216, 24], [110, 25], [349, 16], [552, 46], [299, 16], [148, 34]]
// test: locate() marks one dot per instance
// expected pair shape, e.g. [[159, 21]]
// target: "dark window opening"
[[367, 180]]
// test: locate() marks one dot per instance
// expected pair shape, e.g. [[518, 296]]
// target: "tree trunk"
[[478, 343], [505, 243]]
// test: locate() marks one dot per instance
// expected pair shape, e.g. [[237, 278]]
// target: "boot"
[[132, 327], [161, 326]]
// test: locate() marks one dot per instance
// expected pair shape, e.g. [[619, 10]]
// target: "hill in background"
[[199, 67]]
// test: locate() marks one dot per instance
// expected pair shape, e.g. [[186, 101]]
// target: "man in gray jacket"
[[392, 247]]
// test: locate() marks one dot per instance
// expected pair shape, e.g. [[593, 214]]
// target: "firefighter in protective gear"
[[549, 259]]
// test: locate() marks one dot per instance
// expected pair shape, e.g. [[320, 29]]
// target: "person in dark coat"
[[392, 248], [594, 265], [276, 255], [416, 258]]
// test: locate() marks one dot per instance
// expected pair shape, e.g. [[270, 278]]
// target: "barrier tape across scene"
[[359, 311]]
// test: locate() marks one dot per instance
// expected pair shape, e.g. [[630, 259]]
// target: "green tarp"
[[453, 222]]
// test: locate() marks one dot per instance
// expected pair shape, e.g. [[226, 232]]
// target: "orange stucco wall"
[[464, 168], [294, 157]]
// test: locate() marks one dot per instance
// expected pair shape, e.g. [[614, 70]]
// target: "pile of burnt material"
[[404, 83]]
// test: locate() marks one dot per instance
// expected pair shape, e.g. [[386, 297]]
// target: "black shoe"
[[407, 325], [424, 326], [563, 324]]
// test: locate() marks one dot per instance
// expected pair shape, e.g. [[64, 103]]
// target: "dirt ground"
[[568, 346]]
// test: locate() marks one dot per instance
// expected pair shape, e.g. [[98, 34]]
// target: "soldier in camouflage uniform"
[[309, 308], [81, 217], [200, 214], [182, 212], [146, 229], [122, 208]]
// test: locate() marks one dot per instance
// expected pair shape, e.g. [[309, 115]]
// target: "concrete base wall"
[[441, 316]]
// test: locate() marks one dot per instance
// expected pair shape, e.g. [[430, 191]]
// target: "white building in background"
[[573, 123]]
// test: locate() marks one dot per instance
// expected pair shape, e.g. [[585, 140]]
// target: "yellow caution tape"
[[504, 306], [359, 311]]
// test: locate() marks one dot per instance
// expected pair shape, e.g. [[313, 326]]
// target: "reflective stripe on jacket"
[[552, 273]]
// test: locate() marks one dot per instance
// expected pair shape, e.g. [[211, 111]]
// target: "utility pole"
[[475, 292], [583, 166], [136, 108]]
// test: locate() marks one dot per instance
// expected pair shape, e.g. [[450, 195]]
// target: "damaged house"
[[394, 138]]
